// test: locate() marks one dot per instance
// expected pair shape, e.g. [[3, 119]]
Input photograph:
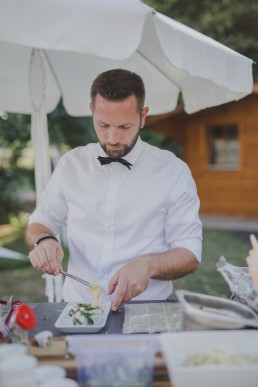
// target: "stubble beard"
[[119, 150]]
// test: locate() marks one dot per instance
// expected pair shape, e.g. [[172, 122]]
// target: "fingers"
[[112, 284], [128, 282], [124, 289], [254, 242], [122, 296], [47, 257], [119, 295]]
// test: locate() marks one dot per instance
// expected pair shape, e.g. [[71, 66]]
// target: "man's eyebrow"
[[126, 123], [123, 124]]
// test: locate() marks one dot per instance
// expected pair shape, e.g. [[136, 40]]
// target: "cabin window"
[[223, 147]]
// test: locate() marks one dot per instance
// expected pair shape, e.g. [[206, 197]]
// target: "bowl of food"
[[211, 358], [83, 317]]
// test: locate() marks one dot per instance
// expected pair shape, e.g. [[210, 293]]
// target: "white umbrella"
[[82, 38]]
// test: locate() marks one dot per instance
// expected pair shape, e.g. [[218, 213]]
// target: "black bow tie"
[[108, 160]]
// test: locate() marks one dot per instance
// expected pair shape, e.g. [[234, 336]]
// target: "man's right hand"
[[47, 256]]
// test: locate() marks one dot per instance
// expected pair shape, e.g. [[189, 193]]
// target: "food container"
[[114, 360], [201, 312], [178, 346]]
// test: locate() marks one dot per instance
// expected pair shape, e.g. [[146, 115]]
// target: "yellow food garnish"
[[96, 290]]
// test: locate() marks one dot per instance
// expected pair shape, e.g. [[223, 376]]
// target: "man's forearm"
[[34, 232], [172, 264]]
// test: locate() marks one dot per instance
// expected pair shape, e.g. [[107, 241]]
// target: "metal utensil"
[[77, 279]]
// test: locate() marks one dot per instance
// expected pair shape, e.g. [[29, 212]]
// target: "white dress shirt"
[[114, 214]]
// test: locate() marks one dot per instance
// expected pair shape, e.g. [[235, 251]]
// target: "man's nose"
[[114, 135]]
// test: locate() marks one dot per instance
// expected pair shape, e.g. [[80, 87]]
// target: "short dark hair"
[[117, 85]]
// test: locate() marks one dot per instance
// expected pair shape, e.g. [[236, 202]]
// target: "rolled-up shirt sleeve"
[[183, 226]]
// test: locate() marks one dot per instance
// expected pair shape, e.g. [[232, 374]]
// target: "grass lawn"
[[26, 284]]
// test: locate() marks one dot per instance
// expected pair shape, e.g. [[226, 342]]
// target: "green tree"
[[158, 139], [69, 131], [14, 135], [230, 22], [65, 132]]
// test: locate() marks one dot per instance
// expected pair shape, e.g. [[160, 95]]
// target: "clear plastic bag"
[[239, 283]]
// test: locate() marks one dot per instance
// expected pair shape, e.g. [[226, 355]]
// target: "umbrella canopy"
[[10, 254], [82, 38]]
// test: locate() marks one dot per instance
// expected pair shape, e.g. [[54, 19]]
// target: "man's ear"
[[144, 114], [91, 107]]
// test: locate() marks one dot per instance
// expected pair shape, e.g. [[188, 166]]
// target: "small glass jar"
[[20, 323]]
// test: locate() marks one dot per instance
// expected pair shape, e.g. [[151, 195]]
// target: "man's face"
[[117, 124]]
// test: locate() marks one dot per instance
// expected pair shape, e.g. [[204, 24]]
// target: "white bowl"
[[18, 371], [12, 349], [177, 347], [49, 371]]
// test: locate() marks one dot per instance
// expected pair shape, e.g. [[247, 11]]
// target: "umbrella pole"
[[40, 144]]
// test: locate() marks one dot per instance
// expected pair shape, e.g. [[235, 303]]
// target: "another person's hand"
[[47, 257], [129, 281], [254, 243]]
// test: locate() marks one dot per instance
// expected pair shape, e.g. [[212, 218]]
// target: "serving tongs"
[[78, 279]]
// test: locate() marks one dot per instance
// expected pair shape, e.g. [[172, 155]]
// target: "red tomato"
[[25, 317]]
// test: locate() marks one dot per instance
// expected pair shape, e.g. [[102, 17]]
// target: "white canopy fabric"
[[10, 254], [81, 38]]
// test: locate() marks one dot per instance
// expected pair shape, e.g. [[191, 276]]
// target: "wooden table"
[[47, 314]]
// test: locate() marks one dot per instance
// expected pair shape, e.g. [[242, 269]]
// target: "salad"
[[85, 314]]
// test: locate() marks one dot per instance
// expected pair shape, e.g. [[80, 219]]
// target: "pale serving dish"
[[64, 323], [202, 311], [178, 346]]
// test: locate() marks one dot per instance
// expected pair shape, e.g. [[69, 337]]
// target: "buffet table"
[[47, 314]]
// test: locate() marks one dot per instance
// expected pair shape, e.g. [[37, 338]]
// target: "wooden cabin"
[[220, 145]]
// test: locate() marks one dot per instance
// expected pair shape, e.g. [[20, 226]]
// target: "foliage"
[[158, 139], [70, 131], [14, 135], [11, 180], [230, 22]]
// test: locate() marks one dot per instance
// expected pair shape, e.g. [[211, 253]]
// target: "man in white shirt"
[[131, 209]]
